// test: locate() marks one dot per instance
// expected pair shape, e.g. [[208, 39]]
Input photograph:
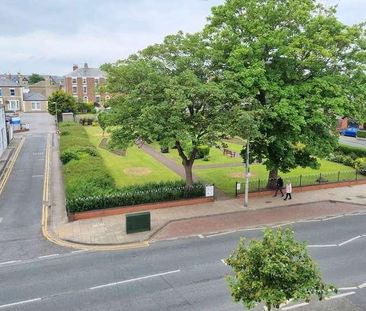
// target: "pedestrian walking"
[[288, 190], [279, 186]]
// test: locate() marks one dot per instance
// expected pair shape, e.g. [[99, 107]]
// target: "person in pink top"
[[288, 190]]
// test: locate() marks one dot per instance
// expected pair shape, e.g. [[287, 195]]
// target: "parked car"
[[351, 131]]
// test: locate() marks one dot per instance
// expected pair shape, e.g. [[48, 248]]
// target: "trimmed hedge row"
[[360, 152], [133, 195], [361, 134]]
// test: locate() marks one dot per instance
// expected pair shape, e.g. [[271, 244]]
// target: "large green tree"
[[34, 78], [273, 271], [168, 93], [297, 64], [61, 102]]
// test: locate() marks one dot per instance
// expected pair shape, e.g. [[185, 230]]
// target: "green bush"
[[202, 152], [164, 149], [64, 133], [346, 150], [68, 155], [88, 150], [133, 195], [361, 134], [360, 165], [342, 159]]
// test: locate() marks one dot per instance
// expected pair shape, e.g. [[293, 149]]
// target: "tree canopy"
[[297, 64], [273, 271], [34, 78], [168, 93], [63, 101]]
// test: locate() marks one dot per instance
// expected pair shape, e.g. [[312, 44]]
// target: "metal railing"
[[257, 185]]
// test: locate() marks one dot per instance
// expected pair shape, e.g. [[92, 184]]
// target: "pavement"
[[352, 141]]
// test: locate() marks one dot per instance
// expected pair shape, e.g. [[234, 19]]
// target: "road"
[[352, 141], [21, 199], [186, 274]]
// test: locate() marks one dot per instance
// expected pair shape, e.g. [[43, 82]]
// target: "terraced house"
[[11, 95], [84, 84]]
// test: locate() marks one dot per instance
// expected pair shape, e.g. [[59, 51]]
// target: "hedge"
[[347, 150], [361, 134], [133, 195]]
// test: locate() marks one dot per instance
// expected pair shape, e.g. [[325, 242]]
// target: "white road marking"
[[348, 288], [340, 295], [349, 241], [324, 245], [220, 233], [296, 306], [79, 251], [223, 261], [9, 262], [201, 236], [48, 256], [34, 176], [362, 285], [20, 302], [135, 279]]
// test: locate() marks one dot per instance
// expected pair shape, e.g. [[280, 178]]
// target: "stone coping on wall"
[[137, 208]]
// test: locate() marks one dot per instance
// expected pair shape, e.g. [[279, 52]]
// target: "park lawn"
[[225, 178], [215, 157], [135, 168]]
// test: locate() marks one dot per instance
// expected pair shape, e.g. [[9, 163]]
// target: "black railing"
[[257, 185]]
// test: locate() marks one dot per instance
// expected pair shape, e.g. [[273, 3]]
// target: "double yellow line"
[[8, 170], [44, 221]]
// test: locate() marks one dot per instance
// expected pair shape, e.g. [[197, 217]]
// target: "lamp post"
[[247, 175]]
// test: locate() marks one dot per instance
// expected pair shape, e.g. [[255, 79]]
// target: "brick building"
[[11, 95], [84, 84]]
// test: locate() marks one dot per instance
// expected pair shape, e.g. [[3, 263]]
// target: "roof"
[[34, 96], [86, 72], [7, 82]]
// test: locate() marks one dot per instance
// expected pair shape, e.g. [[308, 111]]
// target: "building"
[[3, 138], [46, 87], [11, 95], [84, 84], [35, 102]]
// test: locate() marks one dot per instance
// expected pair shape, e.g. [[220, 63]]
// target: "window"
[[96, 81], [85, 99], [84, 89], [73, 80], [36, 106], [13, 105], [84, 80], [74, 89], [1, 92], [97, 99], [12, 92]]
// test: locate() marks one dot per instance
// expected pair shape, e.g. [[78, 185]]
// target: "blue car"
[[351, 131]]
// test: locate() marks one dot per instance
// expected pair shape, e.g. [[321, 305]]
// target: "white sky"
[[48, 36]]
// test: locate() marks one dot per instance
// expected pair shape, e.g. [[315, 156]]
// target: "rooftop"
[[34, 96], [7, 82], [86, 72]]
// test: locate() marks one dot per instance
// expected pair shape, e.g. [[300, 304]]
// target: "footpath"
[[208, 218]]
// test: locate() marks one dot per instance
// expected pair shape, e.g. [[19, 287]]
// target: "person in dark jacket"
[[279, 186]]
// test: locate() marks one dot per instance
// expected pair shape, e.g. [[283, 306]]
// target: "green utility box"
[[138, 222]]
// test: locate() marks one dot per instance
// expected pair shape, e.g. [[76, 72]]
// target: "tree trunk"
[[269, 307], [188, 165], [272, 178]]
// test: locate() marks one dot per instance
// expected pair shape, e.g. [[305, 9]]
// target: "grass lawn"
[[135, 168], [215, 157], [225, 178]]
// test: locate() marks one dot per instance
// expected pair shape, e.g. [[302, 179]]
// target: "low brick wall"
[[136, 208], [309, 188]]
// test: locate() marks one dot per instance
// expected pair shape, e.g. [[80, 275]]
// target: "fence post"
[[300, 179], [236, 189], [320, 178], [259, 185], [356, 175], [338, 175]]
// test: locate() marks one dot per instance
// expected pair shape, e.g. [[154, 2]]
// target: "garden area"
[[97, 178]]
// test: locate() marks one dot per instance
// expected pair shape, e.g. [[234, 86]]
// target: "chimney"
[[85, 65], [74, 67]]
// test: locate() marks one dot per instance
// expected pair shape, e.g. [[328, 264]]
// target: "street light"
[[247, 175]]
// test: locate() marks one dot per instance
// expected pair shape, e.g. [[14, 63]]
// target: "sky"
[[49, 36]]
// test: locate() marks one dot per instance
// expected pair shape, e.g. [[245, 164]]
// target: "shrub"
[[202, 151], [64, 133], [88, 150], [133, 195], [361, 134], [360, 165], [68, 155], [341, 158], [164, 149]]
